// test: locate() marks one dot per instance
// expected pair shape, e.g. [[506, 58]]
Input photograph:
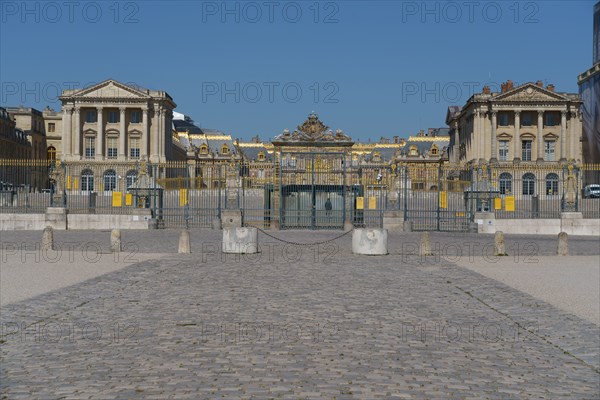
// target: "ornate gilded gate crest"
[[313, 132]]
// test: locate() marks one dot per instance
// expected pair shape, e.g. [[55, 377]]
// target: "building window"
[[136, 117], [51, 153], [131, 178], [528, 184], [134, 147], [552, 184], [526, 119], [505, 182], [87, 180], [526, 150], [204, 149], [225, 149], [51, 127], [550, 119], [549, 150], [110, 180], [434, 150], [111, 147], [413, 151], [503, 119], [91, 116], [503, 150], [261, 156], [113, 116], [90, 147]]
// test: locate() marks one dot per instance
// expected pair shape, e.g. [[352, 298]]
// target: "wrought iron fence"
[[316, 191]]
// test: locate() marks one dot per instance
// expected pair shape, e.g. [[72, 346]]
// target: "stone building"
[[589, 89], [13, 141], [114, 121], [528, 123], [31, 122]]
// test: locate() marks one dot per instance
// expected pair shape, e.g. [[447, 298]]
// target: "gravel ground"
[[29, 274], [569, 283]]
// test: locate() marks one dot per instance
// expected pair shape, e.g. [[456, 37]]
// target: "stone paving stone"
[[394, 326]]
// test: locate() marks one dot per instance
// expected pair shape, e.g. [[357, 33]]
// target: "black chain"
[[305, 244]]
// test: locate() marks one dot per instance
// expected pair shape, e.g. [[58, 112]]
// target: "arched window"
[[552, 184], [261, 156], [204, 149], [434, 150], [51, 153], [413, 151], [528, 184], [110, 180], [87, 180], [131, 177], [505, 183], [225, 149]]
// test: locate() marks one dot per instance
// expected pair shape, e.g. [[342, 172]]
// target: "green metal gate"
[[313, 190]]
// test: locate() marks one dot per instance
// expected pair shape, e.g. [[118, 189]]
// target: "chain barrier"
[[305, 244]]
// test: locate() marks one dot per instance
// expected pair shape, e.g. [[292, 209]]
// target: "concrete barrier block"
[[425, 248], [371, 242], [48, 239], [184, 242], [499, 244], [115, 241], [563, 244], [240, 240]]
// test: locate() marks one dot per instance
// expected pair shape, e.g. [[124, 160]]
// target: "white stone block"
[[240, 240], [372, 242]]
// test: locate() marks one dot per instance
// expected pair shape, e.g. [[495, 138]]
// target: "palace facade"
[[114, 121], [528, 123]]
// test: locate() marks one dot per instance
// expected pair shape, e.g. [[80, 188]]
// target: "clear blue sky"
[[376, 68]]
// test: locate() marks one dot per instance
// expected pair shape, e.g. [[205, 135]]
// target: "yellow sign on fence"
[[128, 199], [443, 200], [360, 203], [182, 197], [117, 199], [497, 203], [509, 203], [372, 203]]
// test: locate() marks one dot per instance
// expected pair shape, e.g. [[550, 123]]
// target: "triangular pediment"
[[530, 93], [111, 89]]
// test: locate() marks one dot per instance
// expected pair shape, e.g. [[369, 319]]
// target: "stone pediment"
[[529, 93], [111, 89]]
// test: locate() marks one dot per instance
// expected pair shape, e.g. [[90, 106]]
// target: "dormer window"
[[204, 149], [434, 150], [413, 151], [261, 156], [224, 149]]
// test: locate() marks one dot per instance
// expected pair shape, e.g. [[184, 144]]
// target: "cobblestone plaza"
[[295, 322]]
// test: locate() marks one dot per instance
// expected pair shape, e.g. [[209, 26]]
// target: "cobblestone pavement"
[[295, 322]]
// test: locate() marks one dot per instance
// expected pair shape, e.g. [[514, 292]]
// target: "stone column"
[[475, 146], [122, 134], [482, 129], [100, 136], [516, 138], [77, 133], [456, 150], [155, 138], [540, 136], [67, 151], [572, 141], [563, 135], [144, 151], [494, 156]]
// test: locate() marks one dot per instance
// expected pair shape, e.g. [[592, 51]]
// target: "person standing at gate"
[[328, 206]]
